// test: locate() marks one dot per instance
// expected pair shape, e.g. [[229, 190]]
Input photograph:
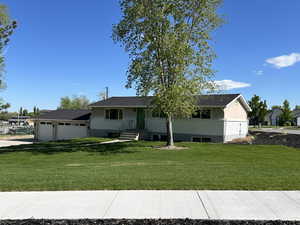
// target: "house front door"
[[140, 119]]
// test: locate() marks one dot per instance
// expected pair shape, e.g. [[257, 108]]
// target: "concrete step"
[[129, 136]]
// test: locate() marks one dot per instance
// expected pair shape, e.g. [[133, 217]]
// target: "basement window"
[[155, 137], [163, 137], [196, 139], [114, 114], [201, 139], [206, 139]]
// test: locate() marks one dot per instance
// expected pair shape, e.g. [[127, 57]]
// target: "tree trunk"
[[170, 140]]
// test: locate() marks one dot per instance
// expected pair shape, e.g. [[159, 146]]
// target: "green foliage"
[[276, 107], [6, 30], [259, 110], [7, 115], [36, 111], [3, 106], [168, 42], [297, 107], [76, 102], [286, 116]]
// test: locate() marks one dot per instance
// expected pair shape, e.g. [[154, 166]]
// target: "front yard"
[[85, 165]]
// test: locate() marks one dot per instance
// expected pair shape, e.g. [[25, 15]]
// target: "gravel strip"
[[146, 222]]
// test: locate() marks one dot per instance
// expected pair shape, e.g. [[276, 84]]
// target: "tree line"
[[260, 110]]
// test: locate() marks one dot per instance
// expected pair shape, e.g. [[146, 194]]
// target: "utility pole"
[[106, 93]]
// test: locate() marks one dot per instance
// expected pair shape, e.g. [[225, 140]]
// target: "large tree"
[[168, 42], [6, 29], [259, 110], [76, 102], [286, 116]]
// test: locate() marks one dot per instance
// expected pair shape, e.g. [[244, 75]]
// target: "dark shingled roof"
[[66, 114], [216, 100]]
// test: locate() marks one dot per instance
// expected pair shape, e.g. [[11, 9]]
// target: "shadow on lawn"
[[75, 146]]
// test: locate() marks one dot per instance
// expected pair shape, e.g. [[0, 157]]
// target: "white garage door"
[[68, 131], [298, 121], [45, 131]]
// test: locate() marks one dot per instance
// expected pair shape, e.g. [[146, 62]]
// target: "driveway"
[[278, 130], [6, 141]]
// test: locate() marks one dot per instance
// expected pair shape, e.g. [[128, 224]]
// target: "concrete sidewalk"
[[232, 205]]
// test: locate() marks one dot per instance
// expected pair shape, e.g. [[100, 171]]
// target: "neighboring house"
[[221, 118], [19, 120], [272, 118], [62, 124], [296, 116]]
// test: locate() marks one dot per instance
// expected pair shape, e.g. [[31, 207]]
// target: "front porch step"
[[129, 136]]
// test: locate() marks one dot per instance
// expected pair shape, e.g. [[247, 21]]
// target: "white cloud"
[[258, 72], [284, 60], [230, 84]]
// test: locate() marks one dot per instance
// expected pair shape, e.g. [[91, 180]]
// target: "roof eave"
[[244, 102]]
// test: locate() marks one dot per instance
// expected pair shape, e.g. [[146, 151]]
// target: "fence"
[[15, 130]]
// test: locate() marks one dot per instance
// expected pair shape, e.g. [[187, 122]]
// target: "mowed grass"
[[83, 164]]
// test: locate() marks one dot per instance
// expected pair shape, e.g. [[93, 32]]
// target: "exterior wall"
[[235, 121], [45, 132], [71, 131], [235, 111], [186, 129], [235, 129], [217, 128], [98, 121], [298, 121]]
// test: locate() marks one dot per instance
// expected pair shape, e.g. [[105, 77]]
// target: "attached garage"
[[62, 125], [46, 131]]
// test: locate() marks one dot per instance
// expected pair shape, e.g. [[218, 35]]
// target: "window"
[[114, 114], [205, 139], [163, 137], [155, 113], [201, 139], [196, 139], [155, 137], [49, 123], [202, 114], [61, 124], [158, 114], [43, 123], [197, 114], [205, 114], [82, 125]]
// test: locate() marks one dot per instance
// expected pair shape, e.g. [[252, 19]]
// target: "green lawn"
[[85, 165]]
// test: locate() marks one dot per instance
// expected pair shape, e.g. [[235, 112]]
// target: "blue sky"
[[64, 48]]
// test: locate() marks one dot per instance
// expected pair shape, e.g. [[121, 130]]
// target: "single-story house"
[[296, 116], [272, 117], [220, 118], [62, 124]]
